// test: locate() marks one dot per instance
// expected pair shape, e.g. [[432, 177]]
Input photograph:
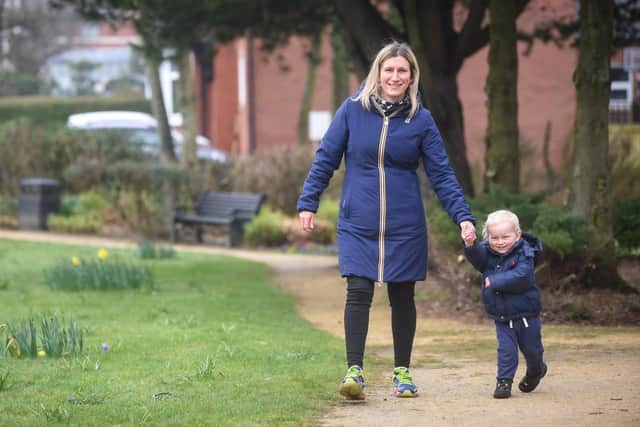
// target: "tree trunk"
[[589, 190], [367, 31], [502, 159], [188, 108], [339, 67], [307, 98], [447, 112], [158, 108], [436, 40]]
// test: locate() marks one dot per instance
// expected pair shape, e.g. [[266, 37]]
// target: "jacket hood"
[[535, 245]]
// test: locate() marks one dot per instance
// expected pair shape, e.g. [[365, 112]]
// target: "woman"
[[383, 132]]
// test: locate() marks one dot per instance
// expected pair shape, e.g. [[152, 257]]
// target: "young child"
[[506, 260]]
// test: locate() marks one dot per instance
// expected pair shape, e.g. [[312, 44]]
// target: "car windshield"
[[143, 136]]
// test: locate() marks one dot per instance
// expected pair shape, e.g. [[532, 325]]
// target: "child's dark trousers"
[[523, 334]]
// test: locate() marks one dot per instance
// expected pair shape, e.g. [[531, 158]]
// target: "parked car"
[[142, 128]]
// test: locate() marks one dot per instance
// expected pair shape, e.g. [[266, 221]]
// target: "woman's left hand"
[[467, 231]]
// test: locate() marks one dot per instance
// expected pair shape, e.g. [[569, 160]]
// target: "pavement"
[[278, 261]]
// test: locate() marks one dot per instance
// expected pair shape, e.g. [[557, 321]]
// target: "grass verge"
[[214, 343]]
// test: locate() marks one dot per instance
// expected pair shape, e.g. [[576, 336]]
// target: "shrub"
[[80, 214], [626, 223], [46, 110], [144, 194], [28, 151], [79, 160], [624, 161], [266, 229], [561, 233], [277, 172], [97, 274]]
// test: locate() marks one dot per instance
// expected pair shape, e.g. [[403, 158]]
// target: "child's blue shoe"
[[403, 385], [352, 385]]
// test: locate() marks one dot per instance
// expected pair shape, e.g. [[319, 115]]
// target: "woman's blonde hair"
[[372, 82], [497, 217]]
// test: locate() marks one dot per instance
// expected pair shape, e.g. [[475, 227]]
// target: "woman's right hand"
[[306, 220]]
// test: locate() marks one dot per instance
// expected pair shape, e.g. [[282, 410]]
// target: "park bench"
[[217, 208]]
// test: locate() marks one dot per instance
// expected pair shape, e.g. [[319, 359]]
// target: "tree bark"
[[158, 108], [367, 29], [502, 157], [589, 189], [339, 67], [437, 41], [307, 97], [188, 108]]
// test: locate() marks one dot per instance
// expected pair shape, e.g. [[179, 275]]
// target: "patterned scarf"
[[391, 107]]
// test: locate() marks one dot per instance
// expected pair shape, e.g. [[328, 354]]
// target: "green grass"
[[214, 343]]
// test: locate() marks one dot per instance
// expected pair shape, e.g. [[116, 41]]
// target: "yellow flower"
[[75, 260], [41, 353], [103, 254]]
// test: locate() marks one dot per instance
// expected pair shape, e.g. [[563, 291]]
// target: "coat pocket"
[[345, 207], [489, 299]]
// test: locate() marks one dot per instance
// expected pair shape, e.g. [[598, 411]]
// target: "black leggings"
[[356, 319]]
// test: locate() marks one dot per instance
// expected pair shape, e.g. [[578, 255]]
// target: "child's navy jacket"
[[382, 234], [513, 293]]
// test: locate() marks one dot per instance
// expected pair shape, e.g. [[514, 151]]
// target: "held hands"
[[306, 220], [487, 283], [468, 233]]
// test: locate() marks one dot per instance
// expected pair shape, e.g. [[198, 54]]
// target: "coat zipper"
[[383, 198]]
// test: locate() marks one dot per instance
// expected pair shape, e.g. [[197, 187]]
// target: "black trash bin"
[[38, 198]]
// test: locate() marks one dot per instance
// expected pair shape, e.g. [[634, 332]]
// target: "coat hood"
[[535, 244]]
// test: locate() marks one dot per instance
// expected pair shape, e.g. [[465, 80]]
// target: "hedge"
[[46, 110]]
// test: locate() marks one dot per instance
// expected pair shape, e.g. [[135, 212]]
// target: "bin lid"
[[39, 182]]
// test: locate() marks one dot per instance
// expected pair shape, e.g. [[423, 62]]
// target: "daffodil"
[[103, 254], [41, 353], [75, 260]]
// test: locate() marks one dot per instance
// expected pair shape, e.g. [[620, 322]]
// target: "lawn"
[[214, 343]]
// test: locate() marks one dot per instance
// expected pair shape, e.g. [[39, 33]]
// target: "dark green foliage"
[[57, 340], [83, 213], [148, 250], [45, 111], [20, 338], [626, 223], [99, 275], [4, 376], [561, 233]]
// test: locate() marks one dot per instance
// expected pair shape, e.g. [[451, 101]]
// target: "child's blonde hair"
[[499, 216]]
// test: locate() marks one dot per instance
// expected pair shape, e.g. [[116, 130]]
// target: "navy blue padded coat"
[[381, 231], [513, 293]]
